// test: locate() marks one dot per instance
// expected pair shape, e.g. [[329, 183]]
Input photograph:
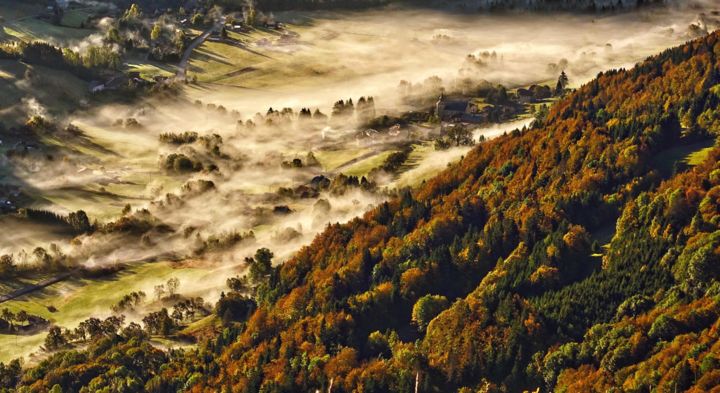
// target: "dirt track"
[[32, 288]]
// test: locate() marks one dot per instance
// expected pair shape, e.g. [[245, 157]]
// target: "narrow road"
[[182, 66], [166, 256], [32, 288], [345, 165]]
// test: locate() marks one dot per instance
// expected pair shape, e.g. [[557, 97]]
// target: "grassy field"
[[148, 69], [33, 29], [126, 164], [78, 299], [57, 91], [201, 324], [331, 159], [425, 162], [262, 59], [244, 63], [698, 156], [76, 18], [363, 167], [691, 154], [21, 23]]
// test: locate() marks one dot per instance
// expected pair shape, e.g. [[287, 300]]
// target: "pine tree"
[[561, 84]]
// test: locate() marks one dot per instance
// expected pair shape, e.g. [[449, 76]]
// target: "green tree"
[[132, 14], [55, 339], [237, 283], [113, 35], [249, 14], [260, 266], [156, 32], [197, 19], [664, 328], [427, 308]]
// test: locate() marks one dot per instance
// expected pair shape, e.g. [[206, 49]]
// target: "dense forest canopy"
[[492, 276]]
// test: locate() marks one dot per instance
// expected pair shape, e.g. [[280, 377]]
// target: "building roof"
[[458, 106]]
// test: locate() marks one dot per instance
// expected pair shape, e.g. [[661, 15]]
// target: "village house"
[[461, 110], [535, 93], [237, 27], [525, 96]]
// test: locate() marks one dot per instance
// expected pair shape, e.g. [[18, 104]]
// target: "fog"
[[369, 53]]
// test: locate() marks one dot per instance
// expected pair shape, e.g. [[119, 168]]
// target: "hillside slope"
[[491, 276]]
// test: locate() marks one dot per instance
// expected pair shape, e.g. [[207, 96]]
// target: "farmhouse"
[[534, 93], [525, 96], [461, 110], [237, 27]]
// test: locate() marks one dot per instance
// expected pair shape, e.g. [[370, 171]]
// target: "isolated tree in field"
[[22, 317], [460, 135], [172, 286], [197, 19], [55, 339], [8, 315], [7, 266], [159, 291], [427, 308], [561, 84], [249, 14]]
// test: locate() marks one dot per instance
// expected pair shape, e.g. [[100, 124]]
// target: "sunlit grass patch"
[[363, 167], [331, 159]]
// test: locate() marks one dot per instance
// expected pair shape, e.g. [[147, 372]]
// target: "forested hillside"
[[492, 276]]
